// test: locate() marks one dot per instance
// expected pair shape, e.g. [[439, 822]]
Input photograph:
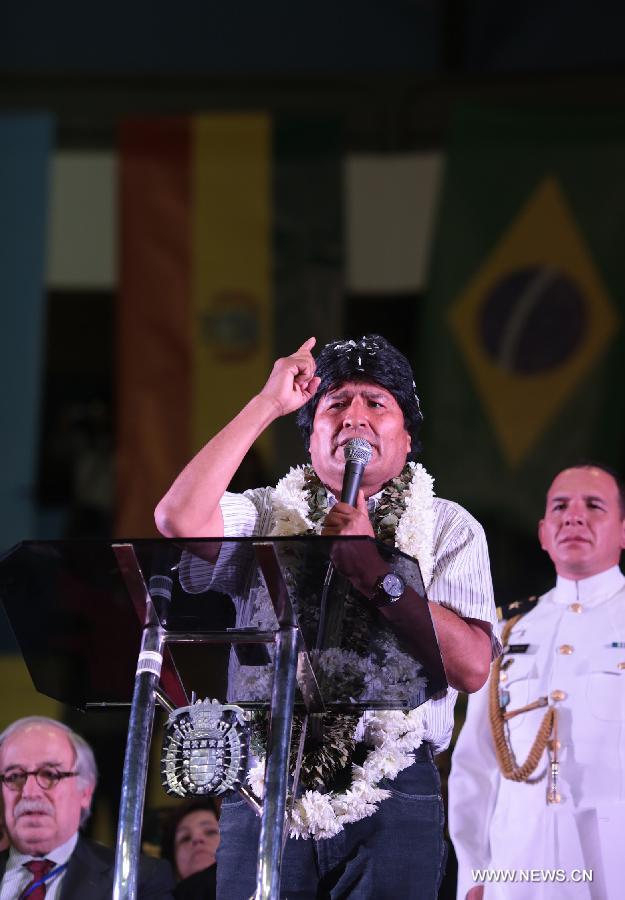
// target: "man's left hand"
[[359, 562], [344, 520]]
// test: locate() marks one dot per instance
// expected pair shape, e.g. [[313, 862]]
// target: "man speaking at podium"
[[391, 844]]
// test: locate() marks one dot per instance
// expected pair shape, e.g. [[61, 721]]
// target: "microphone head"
[[357, 450]]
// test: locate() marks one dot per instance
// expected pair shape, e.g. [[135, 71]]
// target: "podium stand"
[[104, 624]]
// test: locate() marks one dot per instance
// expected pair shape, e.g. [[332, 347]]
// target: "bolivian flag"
[[195, 307]]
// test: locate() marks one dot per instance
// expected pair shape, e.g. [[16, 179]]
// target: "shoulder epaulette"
[[517, 608]]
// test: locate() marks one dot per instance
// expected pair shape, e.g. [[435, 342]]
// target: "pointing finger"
[[308, 345]]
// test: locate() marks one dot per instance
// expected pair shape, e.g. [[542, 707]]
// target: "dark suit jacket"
[[201, 886], [91, 869]]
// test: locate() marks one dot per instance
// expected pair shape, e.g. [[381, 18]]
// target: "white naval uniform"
[[576, 638]]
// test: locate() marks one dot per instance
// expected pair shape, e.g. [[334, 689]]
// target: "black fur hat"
[[372, 358]]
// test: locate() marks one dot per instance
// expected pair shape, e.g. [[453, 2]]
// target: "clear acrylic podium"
[[248, 621]]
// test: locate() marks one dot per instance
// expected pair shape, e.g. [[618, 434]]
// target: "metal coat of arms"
[[205, 749]]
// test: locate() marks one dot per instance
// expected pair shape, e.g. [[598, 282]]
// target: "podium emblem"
[[205, 749]]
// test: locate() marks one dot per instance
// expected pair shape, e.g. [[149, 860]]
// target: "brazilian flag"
[[522, 343]]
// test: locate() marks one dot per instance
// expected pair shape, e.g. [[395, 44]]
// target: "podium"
[[111, 623]]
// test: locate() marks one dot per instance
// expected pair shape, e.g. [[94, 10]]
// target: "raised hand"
[[292, 381], [190, 508]]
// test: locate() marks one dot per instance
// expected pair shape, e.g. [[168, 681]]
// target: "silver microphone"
[[357, 454]]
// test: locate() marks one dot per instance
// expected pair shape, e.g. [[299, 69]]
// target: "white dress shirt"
[[17, 878]]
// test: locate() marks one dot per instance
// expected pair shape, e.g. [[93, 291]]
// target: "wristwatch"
[[388, 589]]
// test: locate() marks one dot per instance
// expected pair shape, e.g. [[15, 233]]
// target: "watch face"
[[393, 585]]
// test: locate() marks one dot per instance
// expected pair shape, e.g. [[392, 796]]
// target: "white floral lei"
[[392, 734], [415, 531]]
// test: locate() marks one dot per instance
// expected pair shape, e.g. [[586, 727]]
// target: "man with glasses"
[[48, 775]]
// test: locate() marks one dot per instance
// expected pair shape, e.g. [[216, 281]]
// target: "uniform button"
[[620, 665], [558, 695], [576, 607], [503, 676], [566, 649]]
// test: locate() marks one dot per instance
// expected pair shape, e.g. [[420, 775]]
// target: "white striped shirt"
[[461, 580]]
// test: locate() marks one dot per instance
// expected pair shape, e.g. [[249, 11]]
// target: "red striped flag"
[[195, 306]]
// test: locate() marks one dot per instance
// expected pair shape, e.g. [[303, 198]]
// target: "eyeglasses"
[[47, 778]]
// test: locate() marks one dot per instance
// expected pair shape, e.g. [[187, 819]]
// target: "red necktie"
[[38, 869]]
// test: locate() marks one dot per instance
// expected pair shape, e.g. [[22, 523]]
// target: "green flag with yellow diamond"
[[523, 351]]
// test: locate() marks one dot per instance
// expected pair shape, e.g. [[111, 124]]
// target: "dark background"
[[392, 72]]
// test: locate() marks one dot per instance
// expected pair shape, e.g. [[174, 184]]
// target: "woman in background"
[[190, 841]]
